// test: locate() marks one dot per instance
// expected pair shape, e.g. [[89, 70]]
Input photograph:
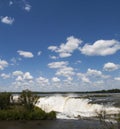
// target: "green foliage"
[[17, 114], [51, 115], [4, 100], [24, 110], [28, 99]]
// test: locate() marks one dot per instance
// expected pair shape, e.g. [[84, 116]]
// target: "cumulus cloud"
[[93, 72], [22, 80], [5, 76], [101, 48], [62, 69], [22, 76], [53, 57], [42, 81], [27, 76], [57, 65], [3, 64], [52, 48], [39, 53], [117, 78], [111, 66], [25, 54], [7, 20], [92, 76], [83, 78], [17, 73], [19, 79], [55, 79], [27, 7], [66, 49], [96, 73], [65, 72]]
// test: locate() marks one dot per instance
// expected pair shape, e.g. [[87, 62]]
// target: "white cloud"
[[111, 66], [21, 3], [7, 20], [3, 64], [62, 69], [10, 3], [39, 53], [83, 78], [53, 57], [52, 48], [22, 80], [70, 79], [22, 76], [57, 65], [101, 48], [19, 78], [117, 78], [93, 72], [5, 76], [66, 49], [68, 82], [65, 72], [93, 76], [63, 54], [25, 54], [42, 81], [27, 7], [17, 73], [78, 62], [15, 61], [27, 76], [55, 79]]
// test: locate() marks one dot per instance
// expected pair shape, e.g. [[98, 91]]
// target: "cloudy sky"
[[59, 45]]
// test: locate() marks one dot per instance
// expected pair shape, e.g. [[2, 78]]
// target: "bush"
[[24, 110], [51, 115], [18, 114], [5, 100]]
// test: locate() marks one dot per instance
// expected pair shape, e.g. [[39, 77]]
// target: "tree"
[[28, 99]]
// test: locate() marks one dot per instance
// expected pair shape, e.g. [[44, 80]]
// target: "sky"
[[59, 45]]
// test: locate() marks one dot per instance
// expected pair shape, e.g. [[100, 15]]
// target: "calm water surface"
[[51, 124]]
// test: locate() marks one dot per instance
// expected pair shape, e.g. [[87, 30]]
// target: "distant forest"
[[56, 92]]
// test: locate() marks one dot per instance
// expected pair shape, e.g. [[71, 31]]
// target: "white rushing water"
[[71, 107]]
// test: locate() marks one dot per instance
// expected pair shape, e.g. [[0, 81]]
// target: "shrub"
[[5, 100]]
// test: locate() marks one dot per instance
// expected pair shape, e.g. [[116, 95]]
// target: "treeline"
[[108, 91], [66, 92], [24, 109], [83, 92]]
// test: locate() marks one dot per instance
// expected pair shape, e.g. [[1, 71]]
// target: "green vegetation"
[[28, 99], [4, 100], [24, 109]]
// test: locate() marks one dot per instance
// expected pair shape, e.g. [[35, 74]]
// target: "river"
[[74, 111]]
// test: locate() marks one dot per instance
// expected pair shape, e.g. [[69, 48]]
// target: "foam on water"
[[71, 107]]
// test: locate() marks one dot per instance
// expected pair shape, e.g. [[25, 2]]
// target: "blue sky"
[[59, 45]]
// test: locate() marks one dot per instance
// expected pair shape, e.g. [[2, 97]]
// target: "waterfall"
[[71, 107]]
